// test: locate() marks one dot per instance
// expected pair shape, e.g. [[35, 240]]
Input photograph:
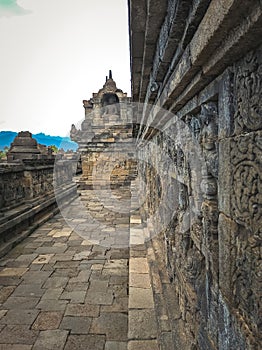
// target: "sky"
[[53, 55]]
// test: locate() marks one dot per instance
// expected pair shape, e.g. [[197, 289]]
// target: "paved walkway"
[[62, 290]]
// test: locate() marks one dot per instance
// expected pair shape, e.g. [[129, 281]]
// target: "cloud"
[[10, 8]]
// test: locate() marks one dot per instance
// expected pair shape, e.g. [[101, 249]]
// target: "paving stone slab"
[[118, 290], [18, 334], [25, 290], [98, 286], [114, 325], [51, 250], [26, 259], [115, 272], [4, 262], [118, 280], [19, 317], [116, 264], [35, 267], [77, 286], [83, 276], [74, 297], [119, 305], [3, 313], [56, 282], [35, 277], [9, 281], [5, 292], [69, 272], [85, 342], [119, 254], [19, 303], [139, 280], [51, 340], [82, 310], [15, 347], [138, 265], [82, 255], [13, 271], [67, 256], [52, 305], [76, 324], [62, 233], [114, 345], [47, 320], [43, 259], [99, 298], [143, 345], [140, 298], [74, 242], [66, 264], [97, 267], [52, 293], [96, 275], [87, 264], [142, 324]]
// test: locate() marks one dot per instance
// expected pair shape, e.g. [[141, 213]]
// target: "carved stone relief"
[[247, 180], [248, 90]]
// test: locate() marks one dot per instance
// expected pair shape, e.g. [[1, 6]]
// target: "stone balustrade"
[[27, 195]]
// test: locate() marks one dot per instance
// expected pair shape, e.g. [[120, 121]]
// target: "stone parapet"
[[27, 195], [203, 183]]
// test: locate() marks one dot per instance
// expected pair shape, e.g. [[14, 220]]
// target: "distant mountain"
[[7, 137]]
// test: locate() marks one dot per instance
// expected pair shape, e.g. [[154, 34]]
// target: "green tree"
[[3, 152], [54, 148]]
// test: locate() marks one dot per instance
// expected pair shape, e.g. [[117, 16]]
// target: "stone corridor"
[[59, 290]]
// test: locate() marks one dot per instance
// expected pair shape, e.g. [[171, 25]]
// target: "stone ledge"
[[142, 326], [15, 228], [204, 58]]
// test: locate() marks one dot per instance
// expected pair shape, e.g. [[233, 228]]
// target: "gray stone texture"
[[206, 197]]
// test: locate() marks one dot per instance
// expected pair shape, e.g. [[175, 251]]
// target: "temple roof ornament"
[[105, 111], [109, 86]]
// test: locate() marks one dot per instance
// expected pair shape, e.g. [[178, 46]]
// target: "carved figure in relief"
[[111, 109], [209, 125], [73, 132], [208, 140], [194, 126], [110, 103]]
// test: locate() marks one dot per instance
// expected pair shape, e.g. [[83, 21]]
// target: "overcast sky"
[[54, 54]]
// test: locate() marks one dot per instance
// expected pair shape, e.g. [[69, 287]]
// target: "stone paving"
[[59, 290]]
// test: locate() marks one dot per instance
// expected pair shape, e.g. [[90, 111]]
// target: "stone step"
[[142, 326]]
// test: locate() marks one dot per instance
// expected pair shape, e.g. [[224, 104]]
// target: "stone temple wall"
[[29, 182], [105, 139], [203, 186], [27, 195]]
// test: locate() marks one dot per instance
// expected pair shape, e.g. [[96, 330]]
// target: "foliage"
[[3, 152], [54, 148]]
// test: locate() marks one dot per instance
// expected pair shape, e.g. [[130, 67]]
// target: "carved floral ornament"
[[248, 85], [247, 181]]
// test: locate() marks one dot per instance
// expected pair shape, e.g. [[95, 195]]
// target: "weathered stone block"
[[227, 231], [224, 178], [226, 105]]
